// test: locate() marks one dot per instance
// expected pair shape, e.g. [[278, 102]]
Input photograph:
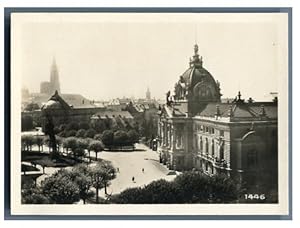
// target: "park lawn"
[[44, 159]]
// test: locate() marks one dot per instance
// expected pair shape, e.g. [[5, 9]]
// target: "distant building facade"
[[197, 131], [61, 112]]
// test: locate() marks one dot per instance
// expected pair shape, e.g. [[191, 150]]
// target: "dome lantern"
[[196, 61]]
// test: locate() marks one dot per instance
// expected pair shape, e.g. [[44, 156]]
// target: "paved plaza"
[[130, 164]]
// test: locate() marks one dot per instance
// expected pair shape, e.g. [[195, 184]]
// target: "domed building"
[[57, 109], [196, 83], [198, 131]]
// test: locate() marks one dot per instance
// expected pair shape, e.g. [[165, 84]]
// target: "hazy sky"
[[103, 56]]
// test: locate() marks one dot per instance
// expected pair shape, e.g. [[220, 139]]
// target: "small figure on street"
[[132, 179], [118, 170], [143, 170]]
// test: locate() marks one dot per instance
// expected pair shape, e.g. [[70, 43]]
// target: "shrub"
[[26, 123], [120, 138], [80, 133], [90, 133], [133, 137], [72, 126], [70, 133], [98, 137], [108, 138], [83, 125]]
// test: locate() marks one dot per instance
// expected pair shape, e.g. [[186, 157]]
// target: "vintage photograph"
[[149, 109]]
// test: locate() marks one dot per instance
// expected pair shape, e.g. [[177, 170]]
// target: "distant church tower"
[[50, 87], [54, 79], [148, 94]]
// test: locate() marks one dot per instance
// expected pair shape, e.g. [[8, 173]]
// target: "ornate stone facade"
[[197, 131]]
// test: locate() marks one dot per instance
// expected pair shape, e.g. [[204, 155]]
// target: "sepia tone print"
[[121, 114]]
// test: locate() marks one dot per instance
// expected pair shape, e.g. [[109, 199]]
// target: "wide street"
[[130, 164]]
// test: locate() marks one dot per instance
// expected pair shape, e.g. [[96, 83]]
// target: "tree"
[[80, 133], [133, 137], [59, 142], [96, 146], [47, 142], [49, 130], [223, 188], [26, 123], [81, 146], [108, 138], [27, 141], [72, 126], [62, 127], [99, 126], [120, 138], [71, 133], [161, 191], [130, 196], [81, 175], [39, 141], [194, 187], [70, 143], [32, 107], [102, 173], [62, 133], [90, 133], [98, 137], [60, 188], [84, 125]]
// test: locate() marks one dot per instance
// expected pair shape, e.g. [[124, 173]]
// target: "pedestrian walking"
[[132, 179], [143, 170], [118, 170]]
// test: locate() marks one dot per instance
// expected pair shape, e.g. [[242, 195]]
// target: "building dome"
[[56, 103], [196, 82], [51, 105]]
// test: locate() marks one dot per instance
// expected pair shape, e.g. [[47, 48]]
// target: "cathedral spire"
[[54, 78]]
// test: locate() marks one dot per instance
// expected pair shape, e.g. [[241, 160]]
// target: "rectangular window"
[[221, 133]]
